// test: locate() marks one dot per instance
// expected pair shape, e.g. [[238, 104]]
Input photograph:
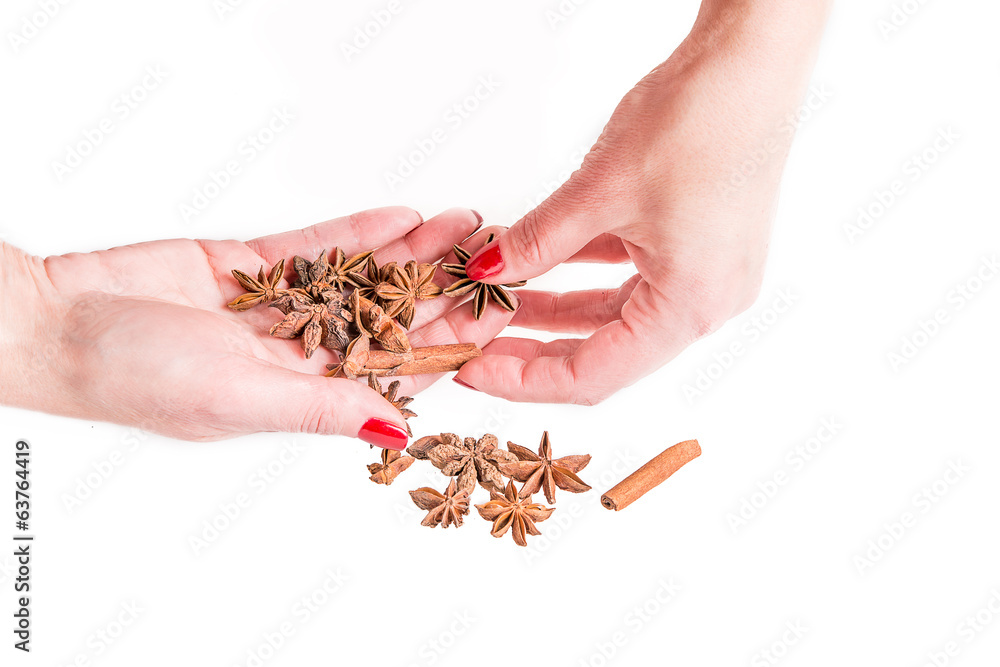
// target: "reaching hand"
[[140, 334], [683, 182]]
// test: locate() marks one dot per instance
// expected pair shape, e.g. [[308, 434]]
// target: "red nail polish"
[[479, 218], [486, 264], [465, 384], [384, 434]]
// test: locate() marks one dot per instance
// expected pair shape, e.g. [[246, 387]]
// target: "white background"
[[406, 589]]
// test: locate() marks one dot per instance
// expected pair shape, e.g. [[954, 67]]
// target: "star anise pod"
[[368, 281], [444, 509], [342, 267], [320, 277], [393, 463], [407, 285], [398, 402], [484, 292], [312, 275], [372, 320], [541, 471], [509, 510], [354, 361], [469, 460], [317, 323], [262, 289]]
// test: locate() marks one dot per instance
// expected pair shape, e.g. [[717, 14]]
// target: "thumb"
[[301, 403], [549, 235]]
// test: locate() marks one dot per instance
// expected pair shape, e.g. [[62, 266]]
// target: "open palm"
[[146, 339]]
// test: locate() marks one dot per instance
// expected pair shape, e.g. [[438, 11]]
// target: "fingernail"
[[384, 434], [479, 218], [465, 384], [486, 264]]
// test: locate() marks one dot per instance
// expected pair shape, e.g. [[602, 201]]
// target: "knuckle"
[[317, 417], [527, 239]]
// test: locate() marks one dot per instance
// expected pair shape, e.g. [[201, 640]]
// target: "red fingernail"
[[384, 434], [486, 264], [464, 384], [479, 218]]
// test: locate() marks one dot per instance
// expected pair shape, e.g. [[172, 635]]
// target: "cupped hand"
[[683, 183], [140, 335]]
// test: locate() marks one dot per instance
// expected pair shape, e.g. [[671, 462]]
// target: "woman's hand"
[[141, 335], [683, 182]]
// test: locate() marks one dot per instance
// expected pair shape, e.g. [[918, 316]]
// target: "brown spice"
[[398, 402], [443, 509], [542, 472], [650, 475], [262, 289], [405, 287], [483, 291], [372, 320], [468, 459], [392, 463], [317, 323], [508, 510]]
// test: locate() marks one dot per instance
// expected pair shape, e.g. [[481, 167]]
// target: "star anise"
[[320, 277], [398, 402], [541, 471], [469, 460], [444, 509], [342, 267], [509, 510], [262, 289], [372, 320], [484, 292], [393, 463], [407, 285], [368, 281], [312, 275], [354, 360], [317, 323]]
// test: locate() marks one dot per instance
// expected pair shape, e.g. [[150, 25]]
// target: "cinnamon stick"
[[421, 360], [650, 475]]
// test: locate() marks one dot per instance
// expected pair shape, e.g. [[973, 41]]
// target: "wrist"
[[30, 313]]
